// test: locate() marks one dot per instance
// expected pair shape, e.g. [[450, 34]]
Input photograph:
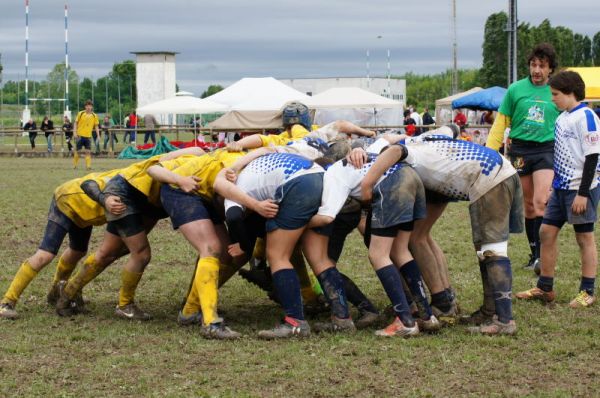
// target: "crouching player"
[[295, 183], [575, 193], [466, 171], [71, 213]]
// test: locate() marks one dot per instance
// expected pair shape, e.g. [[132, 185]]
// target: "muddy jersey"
[[261, 177], [458, 169], [342, 179], [577, 135]]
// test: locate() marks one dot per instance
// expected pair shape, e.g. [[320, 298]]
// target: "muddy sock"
[[333, 287], [356, 296], [587, 284], [392, 284], [545, 283], [287, 287]]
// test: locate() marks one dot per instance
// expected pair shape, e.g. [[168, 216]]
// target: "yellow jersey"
[[76, 205], [86, 123], [296, 133], [206, 168], [136, 175]]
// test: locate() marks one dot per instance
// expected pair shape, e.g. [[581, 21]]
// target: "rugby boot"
[[479, 317], [194, 319], [495, 328], [536, 293], [218, 331], [367, 319], [7, 311], [132, 312], [335, 325], [398, 329], [290, 327], [582, 300]]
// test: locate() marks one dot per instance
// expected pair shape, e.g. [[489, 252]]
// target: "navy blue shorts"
[[84, 142], [184, 207], [397, 200], [59, 225], [299, 200], [558, 210]]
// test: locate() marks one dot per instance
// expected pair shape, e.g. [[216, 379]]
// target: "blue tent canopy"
[[488, 99]]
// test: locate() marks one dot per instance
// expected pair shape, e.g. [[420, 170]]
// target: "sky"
[[219, 42]]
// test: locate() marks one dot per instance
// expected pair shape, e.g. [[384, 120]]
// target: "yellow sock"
[[129, 282], [63, 270], [205, 282], [86, 273], [75, 159], [259, 249], [23, 277], [88, 161], [192, 303]]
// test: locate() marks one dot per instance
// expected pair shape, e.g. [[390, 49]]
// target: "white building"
[[392, 88], [155, 76]]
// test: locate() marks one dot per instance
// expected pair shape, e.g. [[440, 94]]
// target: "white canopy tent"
[[182, 105], [443, 106], [356, 105]]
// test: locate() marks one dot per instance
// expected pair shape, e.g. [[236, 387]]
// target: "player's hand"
[[357, 157], [373, 134], [188, 184], [267, 208], [234, 147], [114, 205], [579, 205], [235, 250], [231, 175]]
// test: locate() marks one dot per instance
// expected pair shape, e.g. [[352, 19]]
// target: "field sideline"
[[554, 354]]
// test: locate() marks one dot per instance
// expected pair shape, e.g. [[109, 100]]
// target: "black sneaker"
[[476, 318], [367, 319], [132, 312], [290, 327]]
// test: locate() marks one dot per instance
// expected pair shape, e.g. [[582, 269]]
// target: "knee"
[[143, 255], [40, 259]]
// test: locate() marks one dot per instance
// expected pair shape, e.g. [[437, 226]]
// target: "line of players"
[[299, 191]]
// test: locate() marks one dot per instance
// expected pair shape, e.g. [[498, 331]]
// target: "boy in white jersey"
[[575, 193], [466, 171]]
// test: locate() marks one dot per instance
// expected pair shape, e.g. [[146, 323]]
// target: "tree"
[[212, 89], [495, 51], [587, 51], [596, 49]]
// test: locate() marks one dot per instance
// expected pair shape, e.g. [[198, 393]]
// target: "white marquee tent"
[[182, 105]]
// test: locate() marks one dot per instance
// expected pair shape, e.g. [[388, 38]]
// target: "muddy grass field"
[[554, 354]]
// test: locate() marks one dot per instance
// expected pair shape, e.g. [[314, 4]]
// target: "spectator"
[[133, 122], [31, 127], [126, 134], [409, 123], [48, 128], [150, 124], [107, 125], [427, 118], [67, 129], [418, 120], [460, 119]]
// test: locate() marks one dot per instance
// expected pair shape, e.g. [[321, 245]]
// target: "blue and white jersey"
[[308, 147], [261, 177], [576, 136], [458, 169], [342, 179]]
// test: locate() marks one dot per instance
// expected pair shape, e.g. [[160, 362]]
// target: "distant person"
[[418, 120], [47, 127], [85, 122], [487, 117], [427, 118], [150, 124], [67, 129], [409, 124], [31, 127], [133, 122], [107, 125], [460, 119], [126, 133]]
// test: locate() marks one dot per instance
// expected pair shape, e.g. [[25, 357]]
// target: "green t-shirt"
[[531, 110]]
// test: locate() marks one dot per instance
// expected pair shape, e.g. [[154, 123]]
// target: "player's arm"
[[180, 152], [335, 193], [242, 162], [227, 189], [111, 203], [496, 136], [249, 142], [347, 127], [385, 160], [185, 183]]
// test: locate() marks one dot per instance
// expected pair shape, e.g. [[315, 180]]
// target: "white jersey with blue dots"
[[458, 169], [261, 177], [342, 179], [576, 136]]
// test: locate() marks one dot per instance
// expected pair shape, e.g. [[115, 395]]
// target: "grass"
[[554, 354]]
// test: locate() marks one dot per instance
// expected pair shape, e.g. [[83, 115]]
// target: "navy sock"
[[356, 296], [500, 278], [587, 284], [451, 294], [529, 231], [333, 287], [538, 245], [546, 283], [441, 301], [392, 284], [412, 276], [287, 286], [489, 305]]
